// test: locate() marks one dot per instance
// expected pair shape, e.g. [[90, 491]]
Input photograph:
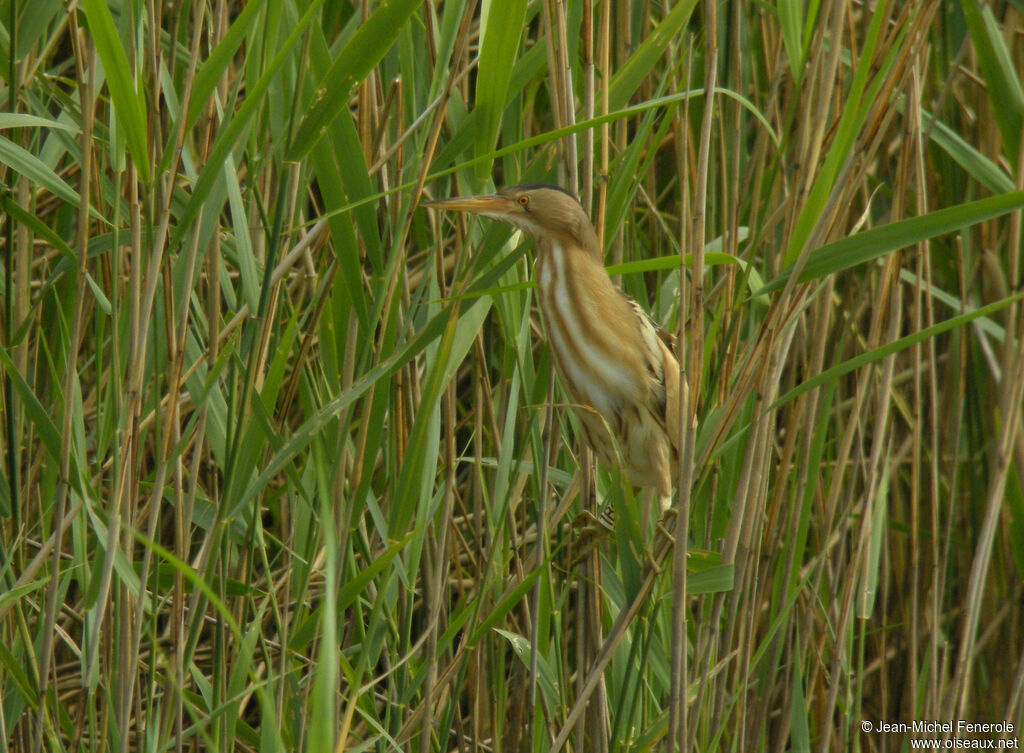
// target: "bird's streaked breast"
[[588, 349]]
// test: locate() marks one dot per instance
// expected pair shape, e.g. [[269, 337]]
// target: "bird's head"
[[544, 211]]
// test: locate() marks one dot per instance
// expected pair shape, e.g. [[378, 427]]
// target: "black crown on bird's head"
[[535, 186]]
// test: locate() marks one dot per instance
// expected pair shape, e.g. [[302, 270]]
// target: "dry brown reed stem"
[[86, 72], [678, 738], [1011, 398], [789, 496]]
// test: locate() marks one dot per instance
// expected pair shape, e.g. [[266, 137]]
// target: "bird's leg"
[[592, 526], [591, 530], [587, 520], [663, 527]]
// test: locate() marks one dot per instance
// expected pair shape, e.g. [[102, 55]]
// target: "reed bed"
[[285, 464]]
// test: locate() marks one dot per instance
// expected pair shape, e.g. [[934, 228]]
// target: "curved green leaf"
[[212, 70], [24, 162], [128, 103], [628, 78], [852, 364], [871, 244], [232, 132], [24, 120], [355, 61], [498, 48], [1001, 83]]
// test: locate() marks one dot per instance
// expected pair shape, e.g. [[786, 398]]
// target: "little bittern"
[[614, 362]]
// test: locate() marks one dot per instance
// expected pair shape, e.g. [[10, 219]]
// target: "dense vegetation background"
[[284, 465]]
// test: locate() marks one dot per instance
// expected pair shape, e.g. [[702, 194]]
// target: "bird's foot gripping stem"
[[591, 530]]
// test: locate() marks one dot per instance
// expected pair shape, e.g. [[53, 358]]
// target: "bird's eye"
[[524, 200]]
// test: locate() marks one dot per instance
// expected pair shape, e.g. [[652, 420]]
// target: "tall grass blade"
[[127, 98], [871, 244], [357, 58], [499, 44]]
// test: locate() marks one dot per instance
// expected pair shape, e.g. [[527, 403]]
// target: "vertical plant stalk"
[[604, 63], [923, 357], [438, 578], [541, 552], [174, 710], [587, 40], [690, 382], [913, 676], [86, 53], [564, 71], [623, 41], [560, 76], [13, 455], [593, 733], [1010, 399], [594, 676], [438, 575]]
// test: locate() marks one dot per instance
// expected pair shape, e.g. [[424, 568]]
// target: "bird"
[[617, 366]]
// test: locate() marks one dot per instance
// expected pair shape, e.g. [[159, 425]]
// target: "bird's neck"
[[586, 241], [578, 249], [565, 264], [588, 322]]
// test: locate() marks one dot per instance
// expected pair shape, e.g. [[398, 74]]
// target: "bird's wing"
[[662, 365]]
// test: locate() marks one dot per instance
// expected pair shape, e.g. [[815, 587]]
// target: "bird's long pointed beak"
[[491, 203]]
